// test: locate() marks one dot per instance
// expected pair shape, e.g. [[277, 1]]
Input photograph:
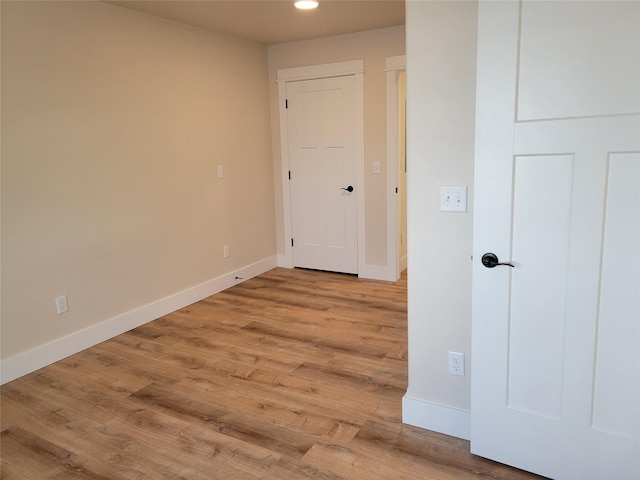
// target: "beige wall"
[[113, 123], [373, 47], [441, 59]]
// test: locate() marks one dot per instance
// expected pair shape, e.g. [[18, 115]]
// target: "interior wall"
[[373, 47], [113, 124], [441, 58]]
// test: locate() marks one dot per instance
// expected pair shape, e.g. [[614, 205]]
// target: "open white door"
[[556, 338]]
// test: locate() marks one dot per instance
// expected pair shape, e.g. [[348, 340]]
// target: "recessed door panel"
[[543, 188], [617, 366], [589, 44]]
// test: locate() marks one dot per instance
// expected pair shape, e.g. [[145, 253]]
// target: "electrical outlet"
[[225, 251], [62, 305], [220, 171], [456, 363]]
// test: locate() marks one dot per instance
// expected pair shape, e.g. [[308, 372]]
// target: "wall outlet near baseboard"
[[456, 363]]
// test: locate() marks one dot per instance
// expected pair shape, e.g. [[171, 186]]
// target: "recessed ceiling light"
[[306, 4]]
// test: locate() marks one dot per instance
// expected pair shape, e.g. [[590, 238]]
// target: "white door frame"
[[313, 72], [394, 66]]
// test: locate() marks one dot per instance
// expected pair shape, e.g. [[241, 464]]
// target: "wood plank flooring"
[[292, 375]]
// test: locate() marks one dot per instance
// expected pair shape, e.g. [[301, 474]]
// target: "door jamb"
[[313, 72], [394, 65]]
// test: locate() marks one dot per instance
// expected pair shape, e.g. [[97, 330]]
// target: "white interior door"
[[556, 339], [321, 125]]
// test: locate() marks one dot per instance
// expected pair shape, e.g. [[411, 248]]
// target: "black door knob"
[[490, 260], [348, 189]]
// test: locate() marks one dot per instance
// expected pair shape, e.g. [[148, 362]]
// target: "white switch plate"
[[376, 167], [225, 251], [453, 198], [62, 306], [220, 171]]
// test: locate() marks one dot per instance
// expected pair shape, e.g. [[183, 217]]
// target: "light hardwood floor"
[[292, 375]]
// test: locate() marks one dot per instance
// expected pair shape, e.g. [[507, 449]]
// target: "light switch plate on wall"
[[453, 198]]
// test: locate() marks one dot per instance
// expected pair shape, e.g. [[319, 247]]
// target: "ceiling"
[[275, 21]]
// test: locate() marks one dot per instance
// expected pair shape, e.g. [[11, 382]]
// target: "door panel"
[[592, 74], [541, 220], [619, 304], [306, 208], [337, 228], [321, 132], [556, 340]]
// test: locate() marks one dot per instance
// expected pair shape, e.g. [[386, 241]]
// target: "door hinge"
[[286, 103], [289, 174], [292, 242]]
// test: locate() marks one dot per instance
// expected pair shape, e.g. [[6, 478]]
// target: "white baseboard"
[[284, 261], [375, 272], [43, 355], [439, 418]]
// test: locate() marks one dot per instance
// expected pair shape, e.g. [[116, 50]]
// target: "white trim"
[[283, 261], [375, 272], [328, 70], [287, 259], [398, 62], [435, 417], [359, 156], [394, 65], [43, 355]]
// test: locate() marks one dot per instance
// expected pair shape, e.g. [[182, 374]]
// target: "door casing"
[[394, 66]]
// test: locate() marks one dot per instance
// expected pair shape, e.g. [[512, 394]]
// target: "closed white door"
[[321, 132], [556, 337]]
